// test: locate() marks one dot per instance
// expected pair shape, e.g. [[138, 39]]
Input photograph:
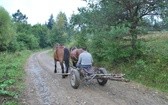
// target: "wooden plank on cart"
[[119, 77]]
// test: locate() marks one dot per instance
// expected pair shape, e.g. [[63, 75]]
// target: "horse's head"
[[74, 54], [73, 48], [56, 45]]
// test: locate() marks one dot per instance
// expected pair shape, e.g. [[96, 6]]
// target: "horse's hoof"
[[55, 71]]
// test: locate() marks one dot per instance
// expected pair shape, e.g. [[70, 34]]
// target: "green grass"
[[151, 69], [11, 75]]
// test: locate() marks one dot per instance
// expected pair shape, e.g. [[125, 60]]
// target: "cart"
[[79, 75]]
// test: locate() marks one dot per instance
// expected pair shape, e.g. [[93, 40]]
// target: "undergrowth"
[[11, 76], [152, 68]]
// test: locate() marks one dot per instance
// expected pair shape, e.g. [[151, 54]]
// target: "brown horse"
[[62, 55], [74, 54]]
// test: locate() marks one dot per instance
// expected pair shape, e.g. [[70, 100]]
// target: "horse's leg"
[[66, 59], [62, 67], [74, 63], [55, 71], [67, 66]]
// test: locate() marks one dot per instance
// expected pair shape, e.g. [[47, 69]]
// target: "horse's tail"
[[66, 56]]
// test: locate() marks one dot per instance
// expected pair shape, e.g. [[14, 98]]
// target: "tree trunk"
[[133, 33], [134, 39]]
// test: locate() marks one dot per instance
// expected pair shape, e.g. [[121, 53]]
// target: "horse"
[[62, 55], [74, 54]]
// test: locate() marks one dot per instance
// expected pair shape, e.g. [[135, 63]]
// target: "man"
[[85, 59]]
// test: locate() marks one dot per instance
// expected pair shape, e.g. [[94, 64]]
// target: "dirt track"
[[44, 87]]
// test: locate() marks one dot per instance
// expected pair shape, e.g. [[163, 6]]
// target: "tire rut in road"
[[38, 80]]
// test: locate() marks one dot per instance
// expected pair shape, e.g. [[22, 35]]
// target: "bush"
[[109, 46], [6, 30], [27, 41], [11, 76]]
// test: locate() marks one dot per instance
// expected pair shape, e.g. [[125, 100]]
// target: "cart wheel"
[[74, 78], [102, 81]]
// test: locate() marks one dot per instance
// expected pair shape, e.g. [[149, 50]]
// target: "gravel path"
[[44, 87]]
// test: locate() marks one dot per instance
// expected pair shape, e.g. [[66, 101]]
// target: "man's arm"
[[92, 61], [79, 61]]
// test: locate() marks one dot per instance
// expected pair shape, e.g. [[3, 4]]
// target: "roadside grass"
[[51, 52], [11, 76], [151, 69]]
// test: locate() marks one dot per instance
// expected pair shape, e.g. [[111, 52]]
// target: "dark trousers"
[[85, 66]]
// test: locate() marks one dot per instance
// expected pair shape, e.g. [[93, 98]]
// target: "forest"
[[129, 36]]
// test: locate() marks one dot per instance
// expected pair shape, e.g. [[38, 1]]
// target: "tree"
[[6, 30], [131, 12], [27, 41], [25, 38], [164, 22], [112, 26], [103, 14], [50, 22], [41, 33], [61, 21], [19, 17], [59, 32]]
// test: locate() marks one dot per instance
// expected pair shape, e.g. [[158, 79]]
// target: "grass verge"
[[11, 76], [152, 68]]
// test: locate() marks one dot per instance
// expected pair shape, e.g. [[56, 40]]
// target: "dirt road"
[[44, 87]]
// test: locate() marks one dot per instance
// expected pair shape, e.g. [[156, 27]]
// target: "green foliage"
[[14, 45], [119, 31], [104, 14], [80, 40], [59, 33], [11, 102], [11, 75], [19, 17], [50, 22], [114, 27], [19, 35], [4, 85], [61, 21], [151, 69], [27, 41], [6, 31], [111, 43], [22, 28], [42, 34], [22, 37]]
